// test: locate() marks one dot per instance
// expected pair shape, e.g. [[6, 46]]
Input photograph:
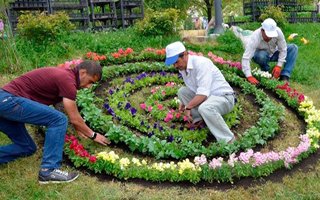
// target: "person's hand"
[[181, 107], [101, 139], [187, 113], [276, 71], [252, 80], [82, 134]]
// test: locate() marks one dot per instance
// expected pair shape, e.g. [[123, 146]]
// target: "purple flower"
[[106, 106], [163, 73], [133, 111], [128, 105], [111, 92], [141, 76], [152, 74], [142, 123], [173, 126], [170, 138], [111, 112], [155, 125], [129, 80], [150, 134]]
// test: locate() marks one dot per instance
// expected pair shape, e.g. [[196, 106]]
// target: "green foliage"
[[41, 27], [228, 42], [274, 12], [160, 5], [158, 22]]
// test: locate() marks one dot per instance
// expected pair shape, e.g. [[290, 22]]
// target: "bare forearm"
[[196, 101]]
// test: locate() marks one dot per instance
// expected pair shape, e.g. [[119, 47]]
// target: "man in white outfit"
[[268, 44], [207, 95]]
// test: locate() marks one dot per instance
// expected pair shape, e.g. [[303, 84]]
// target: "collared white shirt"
[[256, 42], [204, 78]]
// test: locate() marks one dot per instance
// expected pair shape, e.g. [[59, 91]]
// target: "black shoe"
[[57, 176], [284, 78]]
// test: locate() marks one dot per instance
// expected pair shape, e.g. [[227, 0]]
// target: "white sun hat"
[[270, 27], [173, 51]]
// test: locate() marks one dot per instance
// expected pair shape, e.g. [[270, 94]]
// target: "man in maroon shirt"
[[26, 99]]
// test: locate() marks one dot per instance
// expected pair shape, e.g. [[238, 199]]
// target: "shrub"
[[274, 12], [42, 27], [158, 22]]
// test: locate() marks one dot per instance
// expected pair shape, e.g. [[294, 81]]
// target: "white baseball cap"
[[270, 27], [173, 51]]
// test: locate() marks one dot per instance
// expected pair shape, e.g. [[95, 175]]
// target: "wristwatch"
[[94, 135]]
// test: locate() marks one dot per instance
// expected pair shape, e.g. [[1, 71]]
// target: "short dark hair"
[[93, 68], [181, 54]]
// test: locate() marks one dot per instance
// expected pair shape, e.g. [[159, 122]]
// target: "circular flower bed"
[[137, 110]]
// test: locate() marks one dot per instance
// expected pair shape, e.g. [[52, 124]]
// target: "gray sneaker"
[[58, 176]]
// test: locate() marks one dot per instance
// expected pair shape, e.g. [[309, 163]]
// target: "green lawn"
[[18, 179]]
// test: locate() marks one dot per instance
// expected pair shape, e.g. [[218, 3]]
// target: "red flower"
[[93, 159], [301, 98], [128, 51], [120, 51], [116, 55]]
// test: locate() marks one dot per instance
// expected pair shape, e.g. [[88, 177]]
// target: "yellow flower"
[[144, 162], [158, 166], [136, 161], [313, 133], [124, 162], [292, 35], [304, 40], [186, 164]]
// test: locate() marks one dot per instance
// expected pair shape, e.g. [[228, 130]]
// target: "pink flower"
[[160, 106], [185, 118], [153, 90], [149, 108], [244, 157], [169, 117], [1, 25], [178, 115], [143, 106], [232, 160], [200, 160], [216, 163]]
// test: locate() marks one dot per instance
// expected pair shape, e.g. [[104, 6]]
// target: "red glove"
[[276, 71], [253, 80]]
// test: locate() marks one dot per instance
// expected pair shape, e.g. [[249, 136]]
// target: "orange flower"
[[129, 50], [116, 55]]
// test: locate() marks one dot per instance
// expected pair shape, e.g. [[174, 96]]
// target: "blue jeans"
[[261, 57], [14, 113]]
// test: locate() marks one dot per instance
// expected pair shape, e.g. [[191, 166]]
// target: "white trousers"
[[211, 111]]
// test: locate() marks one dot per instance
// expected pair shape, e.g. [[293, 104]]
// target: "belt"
[[224, 94]]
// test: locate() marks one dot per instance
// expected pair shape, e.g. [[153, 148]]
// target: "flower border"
[[248, 163]]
